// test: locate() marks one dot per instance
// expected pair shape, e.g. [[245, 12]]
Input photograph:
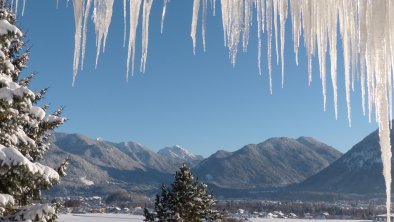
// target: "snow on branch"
[[11, 157], [6, 27], [6, 199], [42, 212], [12, 89]]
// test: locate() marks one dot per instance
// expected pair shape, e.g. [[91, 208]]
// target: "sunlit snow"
[[86, 181]]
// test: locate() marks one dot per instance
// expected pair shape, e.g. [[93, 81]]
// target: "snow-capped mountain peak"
[[178, 152]]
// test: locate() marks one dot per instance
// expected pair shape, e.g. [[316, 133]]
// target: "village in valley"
[[340, 210]]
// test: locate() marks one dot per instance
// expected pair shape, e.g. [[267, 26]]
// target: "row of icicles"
[[366, 28]]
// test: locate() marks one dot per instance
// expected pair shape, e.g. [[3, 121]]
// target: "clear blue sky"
[[198, 101]]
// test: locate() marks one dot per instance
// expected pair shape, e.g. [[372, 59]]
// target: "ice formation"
[[366, 29], [134, 14], [78, 12], [367, 34], [145, 32], [102, 14], [163, 15]]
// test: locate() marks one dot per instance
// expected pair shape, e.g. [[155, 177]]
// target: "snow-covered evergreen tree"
[[186, 201], [25, 130]]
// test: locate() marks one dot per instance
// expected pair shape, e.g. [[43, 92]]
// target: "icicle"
[[214, 8], [124, 21], [85, 30], [247, 23], [262, 3], [362, 46], [145, 32], [269, 39], [332, 35], [276, 28], [322, 47], [307, 18], [23, 7], [233, 22], [283, 16], [134, 15], [78, 12], [196, 7], [296, 25], [259, 29], [204, 22], [391, 50], [378, 22], [346, 43], [163, 15], [102, 14], [225, 17]]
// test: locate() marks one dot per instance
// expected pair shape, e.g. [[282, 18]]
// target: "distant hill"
[[277, 162], [357, 171]]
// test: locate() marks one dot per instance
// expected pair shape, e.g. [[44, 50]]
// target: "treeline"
[[301, 208]]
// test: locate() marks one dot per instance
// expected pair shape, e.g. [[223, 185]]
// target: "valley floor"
[[135, 218]]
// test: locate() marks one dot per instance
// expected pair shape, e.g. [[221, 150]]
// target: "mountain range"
[[280, 165], [99, 166]]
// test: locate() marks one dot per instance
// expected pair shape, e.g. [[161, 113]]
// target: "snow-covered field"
[[99, 218], [135, 218], [302, 220]]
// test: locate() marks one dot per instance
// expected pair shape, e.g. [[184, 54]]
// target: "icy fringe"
[[102, 13], [367, 33], [366, 30]]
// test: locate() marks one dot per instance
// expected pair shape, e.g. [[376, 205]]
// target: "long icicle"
[[145, 32], [283, 16], [124, 21], [102, 19], [78, 12], [269, 39], [196, 7], [85, 30], [163, 15], [134, 15]]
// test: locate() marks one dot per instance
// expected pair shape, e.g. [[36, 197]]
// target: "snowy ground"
[[135, 218], [99, 218], [302, 220]]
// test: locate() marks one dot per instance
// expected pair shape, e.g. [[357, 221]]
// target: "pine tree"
[[25, 130], [186, 201]]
